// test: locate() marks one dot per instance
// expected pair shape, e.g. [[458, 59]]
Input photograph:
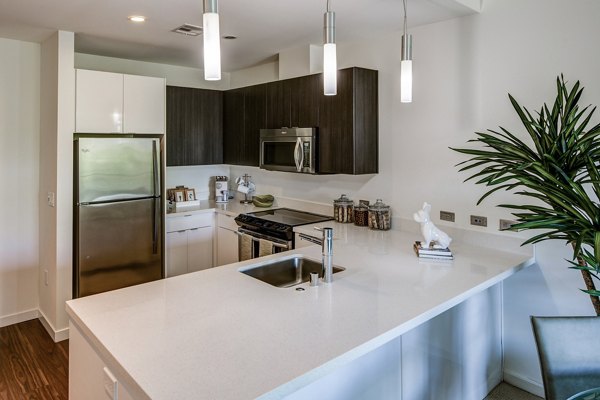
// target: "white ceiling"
[[263, 27]]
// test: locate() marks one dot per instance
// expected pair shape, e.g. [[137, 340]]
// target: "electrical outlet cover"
[[478, 220]]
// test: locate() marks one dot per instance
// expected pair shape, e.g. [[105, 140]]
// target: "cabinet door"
[[98, 102], [227, 247], [305, 96], [278, 104], [200, 248], [255, 119], [348, 124], [336, 132], [194, 126], [233, 126], [143, 104], [177, 253]]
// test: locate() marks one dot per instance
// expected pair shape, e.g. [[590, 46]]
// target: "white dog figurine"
[[431, 233]]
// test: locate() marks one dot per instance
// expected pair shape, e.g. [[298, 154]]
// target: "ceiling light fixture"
[[212, 44], [406, 65], [329, 53], [137, 18]]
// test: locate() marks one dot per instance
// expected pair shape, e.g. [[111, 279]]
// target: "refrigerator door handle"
[[155, 169], [155, 219]]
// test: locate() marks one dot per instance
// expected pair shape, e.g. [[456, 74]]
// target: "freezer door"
[[118, 245], [112, 168]]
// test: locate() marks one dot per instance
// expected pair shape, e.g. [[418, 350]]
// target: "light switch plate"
[[505, 224], [51, 199]]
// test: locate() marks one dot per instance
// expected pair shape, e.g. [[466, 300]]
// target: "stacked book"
[[432, 252]]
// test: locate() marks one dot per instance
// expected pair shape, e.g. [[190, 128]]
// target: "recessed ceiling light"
[[230, 37], [137, 18]]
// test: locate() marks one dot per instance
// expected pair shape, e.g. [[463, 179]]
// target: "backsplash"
[[198, 177]]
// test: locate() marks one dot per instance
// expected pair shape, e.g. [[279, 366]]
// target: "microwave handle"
[[297, 154]]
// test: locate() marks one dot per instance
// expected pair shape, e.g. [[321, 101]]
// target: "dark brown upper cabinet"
[[348, 124], [194, 126], [211, 127], [293, 102], [304, 101], [233, 126], [255, 119], [278, 97], [245, 116]]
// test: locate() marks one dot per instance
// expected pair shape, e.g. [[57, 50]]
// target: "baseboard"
[[19, 317], [56, 335], [523, 382]]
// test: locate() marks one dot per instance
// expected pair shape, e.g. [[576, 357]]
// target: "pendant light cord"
[[328, 6], [404, 3]]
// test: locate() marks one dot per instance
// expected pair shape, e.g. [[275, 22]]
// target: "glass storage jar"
[[380, 216], [342, 209], [361, 214]]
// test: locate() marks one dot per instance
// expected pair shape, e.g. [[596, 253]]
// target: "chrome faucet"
[[327, 246]]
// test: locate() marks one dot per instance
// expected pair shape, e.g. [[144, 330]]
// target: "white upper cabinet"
[[143, 104], [99, 102], [107, 102]]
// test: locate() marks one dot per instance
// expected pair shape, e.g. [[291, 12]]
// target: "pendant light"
[[406, 65], [212, 45], [329, 53]]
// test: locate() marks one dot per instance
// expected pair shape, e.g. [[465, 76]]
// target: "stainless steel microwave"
[[289, 149]]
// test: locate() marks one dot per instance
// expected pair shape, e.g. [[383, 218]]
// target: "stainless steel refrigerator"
[[118, 213]]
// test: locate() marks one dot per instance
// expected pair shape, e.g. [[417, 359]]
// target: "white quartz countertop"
[[220, 334], [233, 207]]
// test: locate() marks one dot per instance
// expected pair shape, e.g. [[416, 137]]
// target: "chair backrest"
[[569, 351]]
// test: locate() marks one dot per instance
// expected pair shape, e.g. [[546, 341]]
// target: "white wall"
[[267, 72], [175, 75], [463, 70], [19, 156], [57, 115]]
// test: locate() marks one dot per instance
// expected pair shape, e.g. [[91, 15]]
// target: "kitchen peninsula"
[[219, 334]]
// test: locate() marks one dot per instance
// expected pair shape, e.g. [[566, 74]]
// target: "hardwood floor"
[[32, 366]]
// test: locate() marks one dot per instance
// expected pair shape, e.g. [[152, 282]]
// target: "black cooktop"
[[278, 222]]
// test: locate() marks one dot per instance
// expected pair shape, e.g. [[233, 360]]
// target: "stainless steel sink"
[[287, 272]]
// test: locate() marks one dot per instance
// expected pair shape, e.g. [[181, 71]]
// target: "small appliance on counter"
[[246, 186], [221, 189]]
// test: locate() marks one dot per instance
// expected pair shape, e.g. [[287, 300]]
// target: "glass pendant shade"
[[329, 69], [406, 81], [212, 47]]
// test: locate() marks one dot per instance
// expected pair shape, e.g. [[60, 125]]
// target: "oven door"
[[253, 244], [290, 154]]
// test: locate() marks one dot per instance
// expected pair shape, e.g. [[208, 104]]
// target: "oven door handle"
[[298, 155]]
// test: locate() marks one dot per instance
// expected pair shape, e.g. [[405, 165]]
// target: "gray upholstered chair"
[[569, 351]]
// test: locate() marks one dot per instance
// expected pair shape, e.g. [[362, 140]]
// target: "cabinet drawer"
[[227, 222], [189, 221]]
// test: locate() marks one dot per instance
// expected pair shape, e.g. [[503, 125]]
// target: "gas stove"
[[279, 222]]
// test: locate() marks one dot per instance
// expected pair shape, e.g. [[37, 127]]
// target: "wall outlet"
[[447, 216], [478, 220], [46, 277], [505, 224]]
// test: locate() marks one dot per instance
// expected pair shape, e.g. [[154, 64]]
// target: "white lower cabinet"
[[227, 240], [189, 243], [90, 377], [200, 248]]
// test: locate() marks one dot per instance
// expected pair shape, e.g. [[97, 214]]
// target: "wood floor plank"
[[32, 366]]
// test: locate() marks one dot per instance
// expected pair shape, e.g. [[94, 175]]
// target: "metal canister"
[[342, 209], [380, 216]]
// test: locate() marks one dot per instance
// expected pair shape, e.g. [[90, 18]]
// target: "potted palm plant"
[[555, 170]]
